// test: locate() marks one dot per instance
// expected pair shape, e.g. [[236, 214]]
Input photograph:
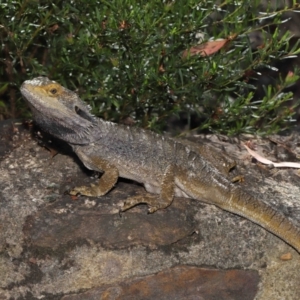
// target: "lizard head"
[[60, 111]]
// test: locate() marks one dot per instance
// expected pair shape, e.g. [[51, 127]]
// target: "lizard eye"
[[53, 91]]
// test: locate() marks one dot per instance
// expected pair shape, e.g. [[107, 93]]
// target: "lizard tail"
[[217, 190], [259, 212]]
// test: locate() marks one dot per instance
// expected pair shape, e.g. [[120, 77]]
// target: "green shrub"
[[125, 59]]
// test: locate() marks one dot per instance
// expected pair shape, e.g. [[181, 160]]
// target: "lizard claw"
[[152, 209], [73, 192], [120, 212]]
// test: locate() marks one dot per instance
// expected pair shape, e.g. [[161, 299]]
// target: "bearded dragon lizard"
[[165, 166]]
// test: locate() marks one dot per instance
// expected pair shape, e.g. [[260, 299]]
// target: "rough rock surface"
[[53, 246]]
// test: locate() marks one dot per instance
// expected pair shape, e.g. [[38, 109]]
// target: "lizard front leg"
[[107, 180], [156, 202]]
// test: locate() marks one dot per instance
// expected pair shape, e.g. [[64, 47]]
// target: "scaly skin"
[[165, 166]]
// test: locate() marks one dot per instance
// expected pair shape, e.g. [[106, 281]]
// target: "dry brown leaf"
[[206, 49], [53, 28], [264, 160], [286, 256], [74, 197]]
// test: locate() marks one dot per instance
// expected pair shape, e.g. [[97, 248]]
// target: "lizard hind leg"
[[156, 202], [151, 200]]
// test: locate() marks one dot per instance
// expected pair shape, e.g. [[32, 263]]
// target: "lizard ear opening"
[[83, 114]]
